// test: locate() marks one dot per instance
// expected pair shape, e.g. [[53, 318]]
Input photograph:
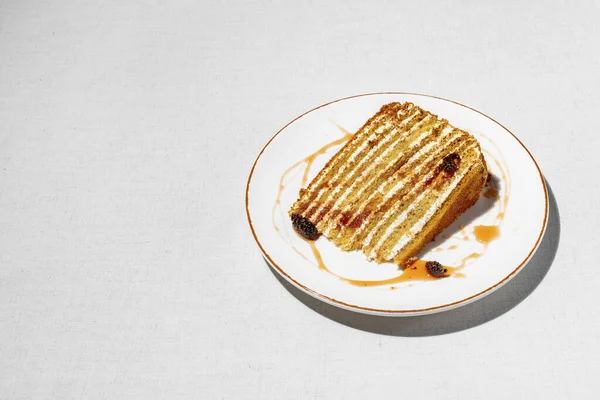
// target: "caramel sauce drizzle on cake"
[[397, 183]]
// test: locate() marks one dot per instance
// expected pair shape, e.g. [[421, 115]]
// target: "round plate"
[[519, 210]]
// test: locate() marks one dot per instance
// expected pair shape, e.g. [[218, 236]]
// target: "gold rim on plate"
[[355, 307]]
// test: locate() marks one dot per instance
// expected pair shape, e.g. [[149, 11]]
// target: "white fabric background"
[[127, 132]]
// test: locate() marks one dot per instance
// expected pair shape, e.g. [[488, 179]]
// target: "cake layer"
[[402, 178]]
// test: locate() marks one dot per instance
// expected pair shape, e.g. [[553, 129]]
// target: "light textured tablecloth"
[[127, 132]]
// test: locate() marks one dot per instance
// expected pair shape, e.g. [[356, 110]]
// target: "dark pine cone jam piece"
[[304, 227], [435, 269], [450, 163]]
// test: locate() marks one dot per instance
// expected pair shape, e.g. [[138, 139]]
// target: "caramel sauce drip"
[[463, 262], [485, 233], [438, 249], [417, 271], [318, 257]]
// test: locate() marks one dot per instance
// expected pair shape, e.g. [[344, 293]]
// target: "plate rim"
[[398, 312]]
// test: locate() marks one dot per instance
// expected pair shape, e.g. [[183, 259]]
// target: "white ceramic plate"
[[520, 212]]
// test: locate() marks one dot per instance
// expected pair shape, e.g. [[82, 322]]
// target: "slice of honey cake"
[[401, 180]]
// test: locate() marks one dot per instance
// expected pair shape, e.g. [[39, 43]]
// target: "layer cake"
[[401, 180]]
